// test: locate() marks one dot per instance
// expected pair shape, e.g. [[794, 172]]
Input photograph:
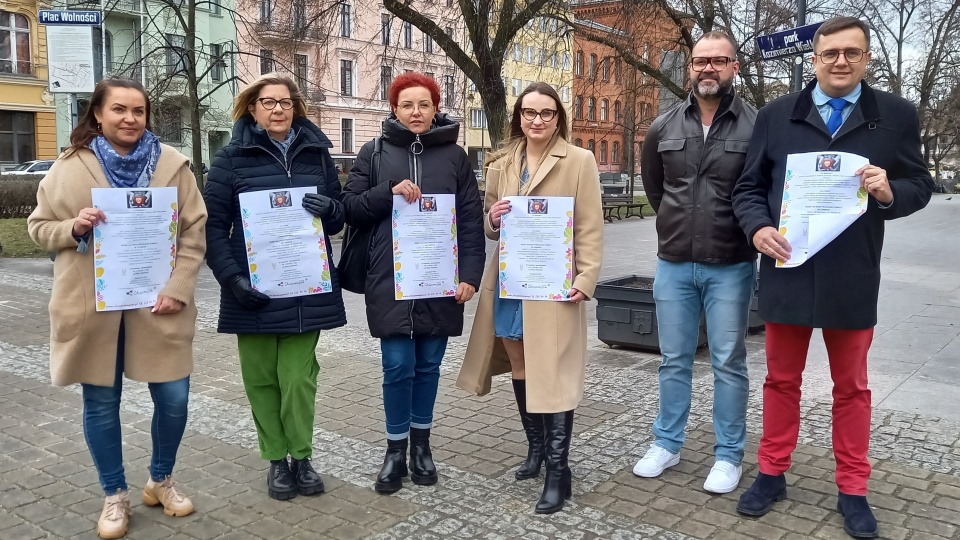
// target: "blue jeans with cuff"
[[411, 375]]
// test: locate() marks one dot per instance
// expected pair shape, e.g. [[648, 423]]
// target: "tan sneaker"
[[115, 516], [168, 494]]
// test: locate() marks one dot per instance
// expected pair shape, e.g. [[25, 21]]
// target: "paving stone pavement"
[[49, 489]]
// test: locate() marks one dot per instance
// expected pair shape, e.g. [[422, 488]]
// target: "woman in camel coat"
[[548, 355]]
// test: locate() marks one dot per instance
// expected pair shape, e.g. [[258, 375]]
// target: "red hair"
[[413, 79]]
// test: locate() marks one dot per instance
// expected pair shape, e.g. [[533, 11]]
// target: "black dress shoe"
[[858, 520], [394, 467], [308, 480], [281, 482], [423, 471], [759, 499]]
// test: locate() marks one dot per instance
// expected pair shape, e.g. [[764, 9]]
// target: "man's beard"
[[709, 91]]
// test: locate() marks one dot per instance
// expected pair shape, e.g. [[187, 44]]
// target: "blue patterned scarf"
[[132, 170]]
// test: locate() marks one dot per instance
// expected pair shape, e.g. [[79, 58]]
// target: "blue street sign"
[[70, 17], [789, 42]]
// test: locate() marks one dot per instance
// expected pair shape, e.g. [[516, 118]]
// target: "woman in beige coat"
[[542, 343], [112, 147]]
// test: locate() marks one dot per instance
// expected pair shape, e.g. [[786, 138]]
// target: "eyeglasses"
[[531, 114], [271, 104], [719, 63], [830, 56]]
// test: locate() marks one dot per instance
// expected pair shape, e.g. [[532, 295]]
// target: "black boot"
[[281, 483], [533, 427], [760, 497], [308, 480], [858, 519], [423, 469], [394, 467], [558, 429]]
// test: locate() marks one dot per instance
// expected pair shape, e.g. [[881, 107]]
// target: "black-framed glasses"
[[271, 104], [719, 63], [830, 56], [546, 114]]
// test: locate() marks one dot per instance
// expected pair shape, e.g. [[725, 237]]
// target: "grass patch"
[[15, 240], [647, 210]]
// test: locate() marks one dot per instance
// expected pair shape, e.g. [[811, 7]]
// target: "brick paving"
[[49, 489]]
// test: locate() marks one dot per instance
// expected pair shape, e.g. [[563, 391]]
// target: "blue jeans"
[[101, 425], [411, 374], [722, 291]]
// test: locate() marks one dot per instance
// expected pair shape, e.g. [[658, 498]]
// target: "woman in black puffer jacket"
[[274, 146], [419, 154]]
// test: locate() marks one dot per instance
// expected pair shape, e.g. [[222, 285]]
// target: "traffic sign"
[[794, 41], [70, 17]]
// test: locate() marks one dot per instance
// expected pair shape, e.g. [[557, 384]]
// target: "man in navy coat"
[[836, 290]]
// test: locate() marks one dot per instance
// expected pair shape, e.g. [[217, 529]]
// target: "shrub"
[[18, 195]]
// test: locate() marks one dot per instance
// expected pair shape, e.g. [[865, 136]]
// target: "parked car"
[[38, 167]]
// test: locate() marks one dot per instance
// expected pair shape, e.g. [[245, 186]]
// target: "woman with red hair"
[[417, 153]]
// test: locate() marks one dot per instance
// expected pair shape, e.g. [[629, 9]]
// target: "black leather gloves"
[[248, 297], [319, 205]]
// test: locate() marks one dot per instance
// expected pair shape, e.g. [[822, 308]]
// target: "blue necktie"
[[836, 117]]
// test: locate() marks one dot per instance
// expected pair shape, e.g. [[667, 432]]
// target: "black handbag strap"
[[375, 165]]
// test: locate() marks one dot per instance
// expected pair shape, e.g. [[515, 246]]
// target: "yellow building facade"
[[27, 113], [541, 52]]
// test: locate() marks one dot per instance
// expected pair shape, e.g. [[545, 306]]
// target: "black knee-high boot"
[[557, 483], [533, 427]]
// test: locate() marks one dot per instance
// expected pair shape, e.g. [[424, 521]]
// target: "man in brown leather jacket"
[[692, 156]]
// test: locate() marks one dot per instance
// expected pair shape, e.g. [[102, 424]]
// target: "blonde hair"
[[250, 94]]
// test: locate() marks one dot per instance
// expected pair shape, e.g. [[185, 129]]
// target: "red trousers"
[[786, 357]]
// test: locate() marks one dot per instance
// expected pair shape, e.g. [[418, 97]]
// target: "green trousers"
[[280, 376]]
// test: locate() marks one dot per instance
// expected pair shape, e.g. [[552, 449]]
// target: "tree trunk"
[[193, 96], [494, 97]]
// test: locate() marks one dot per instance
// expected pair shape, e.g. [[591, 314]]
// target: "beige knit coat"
[[83, 342]]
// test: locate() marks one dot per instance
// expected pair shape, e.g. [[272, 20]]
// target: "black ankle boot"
[[281, 483], [533, 427], [558, 430], [394, 467], [423, 469], [858, 519], [760, 497], [308, 480]]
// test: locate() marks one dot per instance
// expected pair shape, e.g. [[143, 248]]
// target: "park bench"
[[614, 206]]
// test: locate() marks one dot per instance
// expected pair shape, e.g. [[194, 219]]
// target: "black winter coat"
[[251, 162], [443, 168], [837, 288]]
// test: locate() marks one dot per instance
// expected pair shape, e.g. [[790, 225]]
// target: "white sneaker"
[[655, 461], [724, 477]]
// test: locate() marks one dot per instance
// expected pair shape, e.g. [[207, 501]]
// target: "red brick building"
[[612, 101]]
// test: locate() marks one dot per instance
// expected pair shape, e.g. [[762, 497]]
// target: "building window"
[[430, 74], [300, 14], [449, 92], [449, 3], [217, 64], [346, 135], [578, 65], [603, 152], [385, 22], [517, 87], [346, 77], [427, 44], [555, 60], [99, 51], [386, 77], [170, 124], [542, 57], [478, 119], [592, 109], [266, 61], [449, 32], [617, 114], [176, 54], [346, 19], [18, 140], [604, 105], [531, 54], [566, 61], [577, 108], [517, 52], [615, 157], [617, 69], [407, 35], [605, 69], [565, 94], [300, 70], [266, 11], [592, 146], [214, 7], [578, 143], [592, 68]]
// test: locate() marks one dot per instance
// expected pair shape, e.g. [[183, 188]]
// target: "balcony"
[[314, 97], [131, 7], [285, 30]]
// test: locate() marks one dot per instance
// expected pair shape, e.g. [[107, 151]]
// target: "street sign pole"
[[798, 61]]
